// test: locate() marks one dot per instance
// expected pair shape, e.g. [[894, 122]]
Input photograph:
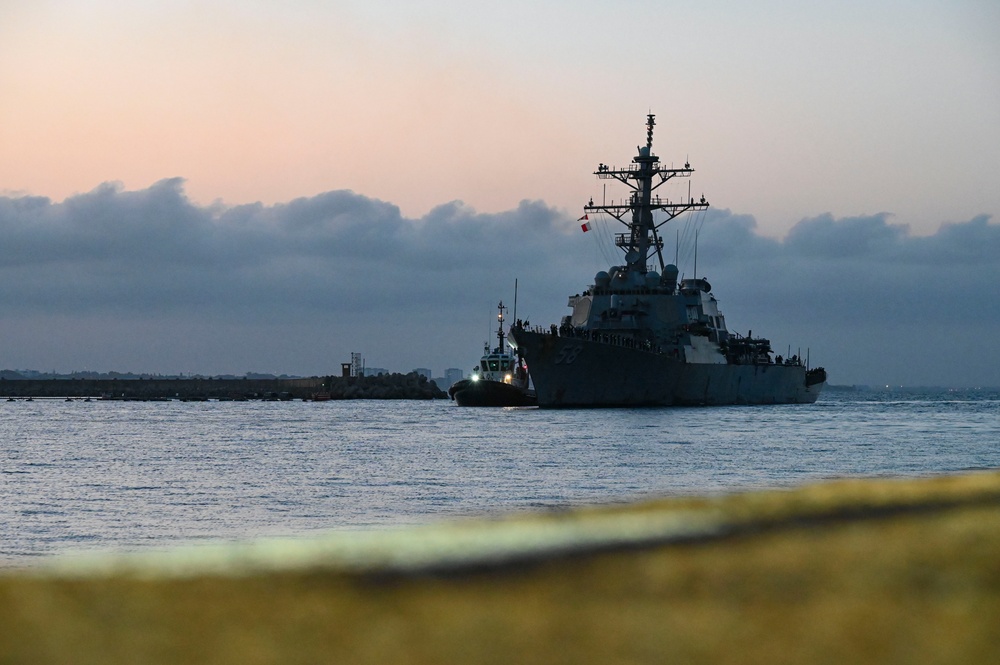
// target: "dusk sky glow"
[[310, 171]]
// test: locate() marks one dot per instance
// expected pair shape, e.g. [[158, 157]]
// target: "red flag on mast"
[[586, 225]]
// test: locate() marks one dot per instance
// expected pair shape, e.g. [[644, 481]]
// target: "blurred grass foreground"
[[859, 571]]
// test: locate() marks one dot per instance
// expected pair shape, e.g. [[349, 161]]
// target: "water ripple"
[[139, 475]]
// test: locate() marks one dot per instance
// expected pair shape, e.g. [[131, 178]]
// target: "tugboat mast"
[[642, 236], [500, 335]]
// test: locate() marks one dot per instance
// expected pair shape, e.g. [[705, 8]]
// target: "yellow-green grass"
[[863, 571]]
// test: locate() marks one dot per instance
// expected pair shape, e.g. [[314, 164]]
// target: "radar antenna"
[[643, 176]]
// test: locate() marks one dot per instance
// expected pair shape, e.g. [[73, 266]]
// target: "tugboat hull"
[[572, 372], [490, 393]]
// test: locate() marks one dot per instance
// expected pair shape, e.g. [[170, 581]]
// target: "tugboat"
[[641, 337], [500, 379]]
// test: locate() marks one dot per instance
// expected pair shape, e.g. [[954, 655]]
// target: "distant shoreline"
[[391, 386]]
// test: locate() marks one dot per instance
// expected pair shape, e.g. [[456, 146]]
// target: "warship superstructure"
[[642, 337]]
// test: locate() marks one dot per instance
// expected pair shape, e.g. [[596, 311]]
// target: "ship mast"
[[643, 177], [500, 335]]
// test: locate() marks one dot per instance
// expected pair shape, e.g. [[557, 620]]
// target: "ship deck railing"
[[631, 342]]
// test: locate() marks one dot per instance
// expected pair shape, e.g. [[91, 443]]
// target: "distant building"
[[424, 372], [452, 375], [375, 371]]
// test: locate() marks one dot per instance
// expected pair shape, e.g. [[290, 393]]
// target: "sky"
[[224, 187]]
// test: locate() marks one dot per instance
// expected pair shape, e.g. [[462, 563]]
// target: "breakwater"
[[386, 386]]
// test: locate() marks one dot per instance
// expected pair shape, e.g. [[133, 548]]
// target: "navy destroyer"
[[641, 337]]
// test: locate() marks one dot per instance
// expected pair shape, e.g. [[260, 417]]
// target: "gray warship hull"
[[572, 372]]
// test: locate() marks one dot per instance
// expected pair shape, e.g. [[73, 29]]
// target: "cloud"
[[155, 249], [148, 280], [866, 262], [330, 274], [874, 303], [825, 237]]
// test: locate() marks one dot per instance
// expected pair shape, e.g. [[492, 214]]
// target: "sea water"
[[112, 475]]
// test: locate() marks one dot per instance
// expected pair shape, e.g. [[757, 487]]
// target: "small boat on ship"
[[500, 379]]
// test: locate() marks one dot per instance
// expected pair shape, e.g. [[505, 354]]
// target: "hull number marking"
[[567, 354]]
